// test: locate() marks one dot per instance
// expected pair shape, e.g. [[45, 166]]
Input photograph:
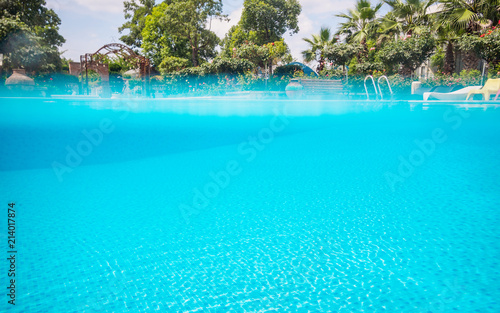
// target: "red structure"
[[95, 61]]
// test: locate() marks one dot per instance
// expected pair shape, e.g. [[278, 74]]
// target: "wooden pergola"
[[95, 61]]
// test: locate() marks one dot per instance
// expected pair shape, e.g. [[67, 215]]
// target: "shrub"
[[342, 53], [257, 55], [57, 83], [228, 66], [465, 78], [409, 52], [486, 45], [333, 73], [437, 59], [287, 70], [172, 64]]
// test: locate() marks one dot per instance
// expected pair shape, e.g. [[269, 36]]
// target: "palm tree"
[[447, 36], [470, 15], [361, 22], [318, 45], [407, 17]]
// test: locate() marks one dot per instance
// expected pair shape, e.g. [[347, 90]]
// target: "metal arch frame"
[[89, 60]]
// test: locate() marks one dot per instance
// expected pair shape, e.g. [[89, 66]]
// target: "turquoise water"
[[228, 205]]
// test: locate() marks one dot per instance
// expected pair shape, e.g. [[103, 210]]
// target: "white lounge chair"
[[460, 94]]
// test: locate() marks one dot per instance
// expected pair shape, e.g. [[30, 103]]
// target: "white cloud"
[[295, 42], [220, 28], [322, 7], [111, 6]]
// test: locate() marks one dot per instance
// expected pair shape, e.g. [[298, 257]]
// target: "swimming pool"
[[220, 205]]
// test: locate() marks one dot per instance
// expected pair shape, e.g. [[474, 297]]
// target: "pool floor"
[[394, 210]]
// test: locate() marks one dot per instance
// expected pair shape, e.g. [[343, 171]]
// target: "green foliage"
[[257, 55], [407, 17], [158, 42], [248, 81], [318, 45], [29, 36], [494, 71], [192, 71], [367, 68], [470, 15], [333, 73], [219, 65], [42, 21], [437, 59], [278, 51], [287, 70], [353, 66], [400, 85], [172, 29], [360, 23], [135, 15], [235, 37], [227, 66], [187, 19], [342, 53], [173, 64], [486, 45], [465, 78], [410, 52], [270, 19], [364, 68]]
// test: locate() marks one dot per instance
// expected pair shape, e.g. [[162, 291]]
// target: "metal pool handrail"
[[374, 87], [388, 84]]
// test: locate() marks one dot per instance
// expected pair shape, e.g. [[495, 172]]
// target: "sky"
[[88, 25]]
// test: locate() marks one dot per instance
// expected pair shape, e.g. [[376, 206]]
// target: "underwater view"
[[224, 205]]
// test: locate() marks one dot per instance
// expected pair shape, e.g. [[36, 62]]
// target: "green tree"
[[42, 21], [318, 45], [270, 19], [235, 37], [361, 22], [342, 53], [471, 15], [407, 17], [410, 52], [486, 45], [135, 15], [188, 19], [172, 64], [157, 41], [221, 65], [279, 52], [447, 36], [260, 56], [29, 35]]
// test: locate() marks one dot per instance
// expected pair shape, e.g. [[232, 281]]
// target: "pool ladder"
[[378, 93]]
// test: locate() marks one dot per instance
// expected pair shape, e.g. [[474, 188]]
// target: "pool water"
[[227, 205]]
